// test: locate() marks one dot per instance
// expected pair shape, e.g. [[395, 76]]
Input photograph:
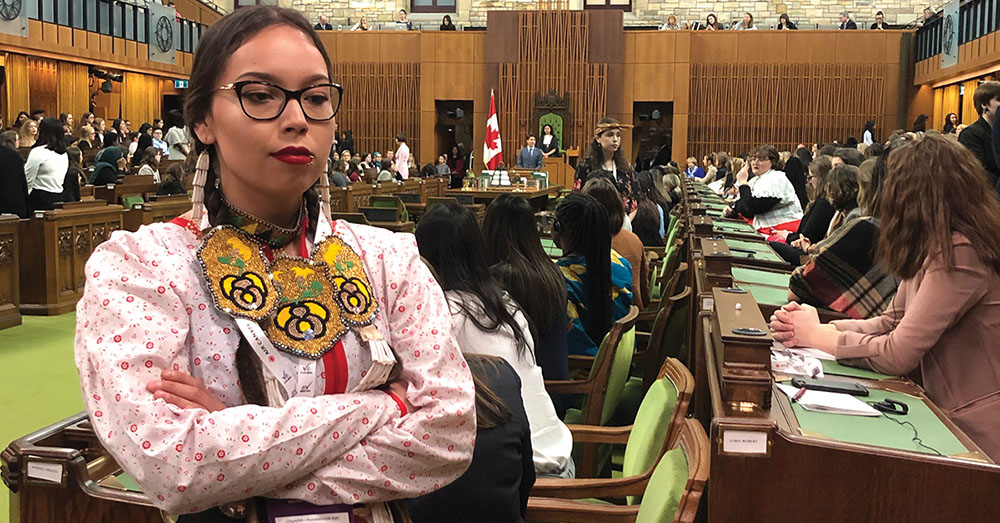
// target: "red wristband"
[[399, 403]]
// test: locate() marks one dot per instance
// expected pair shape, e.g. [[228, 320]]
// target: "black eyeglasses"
[[266, 101]]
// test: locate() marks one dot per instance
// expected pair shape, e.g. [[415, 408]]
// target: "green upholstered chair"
[[675, 488], [602, 388]]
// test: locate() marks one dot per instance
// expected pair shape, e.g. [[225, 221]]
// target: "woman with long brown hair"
[[939, 221], [253, 348]]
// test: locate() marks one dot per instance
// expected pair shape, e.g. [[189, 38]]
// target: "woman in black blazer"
[[548, 143]]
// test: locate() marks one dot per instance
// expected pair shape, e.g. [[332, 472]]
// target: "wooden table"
[[539, 198]]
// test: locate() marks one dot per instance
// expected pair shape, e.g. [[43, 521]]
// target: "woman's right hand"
[[743, 176]]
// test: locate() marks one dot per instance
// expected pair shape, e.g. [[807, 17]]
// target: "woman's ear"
[[205, 130]]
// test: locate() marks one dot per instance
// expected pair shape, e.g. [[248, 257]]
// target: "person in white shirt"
[[402, 157], [485, 320], [869, 136], [177, 138], [150, 163], [46, 166], [746, 24]]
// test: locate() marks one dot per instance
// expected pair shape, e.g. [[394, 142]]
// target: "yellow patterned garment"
[[574, 271]]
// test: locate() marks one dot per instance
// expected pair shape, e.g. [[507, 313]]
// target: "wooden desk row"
[[774, 461]]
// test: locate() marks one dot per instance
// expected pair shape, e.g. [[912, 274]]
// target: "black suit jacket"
[[321, 27], [849, 25], [978, 138], [13, 184]]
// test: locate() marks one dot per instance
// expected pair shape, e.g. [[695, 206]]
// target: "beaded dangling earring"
[[198, 194], [324, 192]]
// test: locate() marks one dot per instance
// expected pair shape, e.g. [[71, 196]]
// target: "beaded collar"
[[265, 232]]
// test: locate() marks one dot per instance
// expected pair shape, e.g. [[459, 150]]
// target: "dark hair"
[[174, 173], [649, 191], [874, 150], [770, 152], [63, 117], [850, 156], [796, 175], [842, 187], [870, 198], [448, 237], [920, 124], [401, 137], [828, 150], [149, 157], [934, 188], [75, 156], [820, 167], [17, 122], [595, 157], [607, 194], [521, 265], [869, 126], [551, 130], [50, 134], [985, 93], [491, 411], [782, 16], [215, 47], [530, 136], [175, 118], [583, 231], [851, 142], [948, 126], [386, 165]]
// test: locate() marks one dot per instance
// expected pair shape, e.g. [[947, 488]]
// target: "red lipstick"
[[295, 155]]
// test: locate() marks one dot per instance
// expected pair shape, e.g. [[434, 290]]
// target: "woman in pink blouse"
[[939, 224], [240, 355]]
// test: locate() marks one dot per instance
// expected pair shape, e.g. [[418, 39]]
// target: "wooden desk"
[[162, 209], [131, 184], [539, 199], [10, 293], [61, 242]]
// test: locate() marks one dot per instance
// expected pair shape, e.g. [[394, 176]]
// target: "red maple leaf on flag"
[[492, 135]]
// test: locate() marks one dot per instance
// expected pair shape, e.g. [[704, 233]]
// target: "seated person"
[[816, 220], [841, 272], [598, 280], [943, 320], [501, 475], [649, 218], [693, 170], [173, 181], [625, 243], [111, 163], [485, 320], [149, 164], [768, 198], [530, 157], [385, 175]]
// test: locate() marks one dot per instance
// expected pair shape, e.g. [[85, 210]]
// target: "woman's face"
[[157, 157], [101, 126], [69, 120], [22, 117], [706, 162], [90, 120], [812, 179], [711, 20], [157, 134], [93, 135], [368, 158], [284, 56], [547, 129], [335, 156], [747, 20], [760, 164], [610, 141], [346, 154], [954, 119], [32, 128], [690, 164]]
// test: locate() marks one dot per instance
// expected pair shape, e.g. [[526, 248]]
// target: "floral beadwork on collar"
[[305, 305]]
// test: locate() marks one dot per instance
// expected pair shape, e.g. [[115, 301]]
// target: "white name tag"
[[315, 518], [45, 471], [744, 442]]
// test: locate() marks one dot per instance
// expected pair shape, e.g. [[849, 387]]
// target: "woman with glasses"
[[252, 352], [816, 219], [767, 199]]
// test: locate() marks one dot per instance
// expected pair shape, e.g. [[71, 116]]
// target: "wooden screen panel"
[[42, 75], [553, 54], [380, 100], [736, 107]]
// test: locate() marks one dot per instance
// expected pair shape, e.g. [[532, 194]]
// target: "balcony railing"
[[976, 18], [115, 18]]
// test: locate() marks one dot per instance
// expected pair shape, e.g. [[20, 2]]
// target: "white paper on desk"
[[784, 361], [830, 402], [805, 351]]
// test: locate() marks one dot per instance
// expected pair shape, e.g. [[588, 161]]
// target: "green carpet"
[[40, 385]]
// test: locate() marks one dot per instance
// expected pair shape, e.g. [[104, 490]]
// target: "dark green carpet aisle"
[[38, 380]]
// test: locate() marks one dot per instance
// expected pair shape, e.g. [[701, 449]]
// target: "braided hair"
[[583, 230]]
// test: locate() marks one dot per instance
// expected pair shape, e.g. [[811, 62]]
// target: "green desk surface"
[[734, 227], [719, 204], [714, 213], [752, 275], [832, 367], [766, 294], [761, 250], [550, 247], [880, 431]]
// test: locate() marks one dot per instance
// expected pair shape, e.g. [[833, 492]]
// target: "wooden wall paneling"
[[969, 112], [50, 34], [399, 46], [42, 79], [65, 36], [381, 99], [73, 94], [16, 86]]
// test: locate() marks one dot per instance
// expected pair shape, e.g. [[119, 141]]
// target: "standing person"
[[529, 157], [938, 235], [598, 280], [879, 24], [785, 23], [978, 136], [486, 321], [347, 143], [402, 157], [27, 135], [519, 262], [187, 400], [446, 24], [868, 136], [605, 158], [950, 124], [14, 196], [846, 22], [177, 137], [441, 169], [549, 143], [46, 166], [746, 24]]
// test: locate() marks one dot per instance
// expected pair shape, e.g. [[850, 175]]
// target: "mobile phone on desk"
[[840, 387]]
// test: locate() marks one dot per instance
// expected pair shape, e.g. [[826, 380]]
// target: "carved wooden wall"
[[736, 107], [380, 100]]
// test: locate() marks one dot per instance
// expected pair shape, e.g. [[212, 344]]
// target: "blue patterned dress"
[[574, 271]]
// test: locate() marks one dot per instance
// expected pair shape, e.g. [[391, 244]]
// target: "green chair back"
[[131, 200], [666, 488], [649, 431], [618, 375]]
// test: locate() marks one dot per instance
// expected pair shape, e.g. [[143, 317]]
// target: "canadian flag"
[[492, 148]]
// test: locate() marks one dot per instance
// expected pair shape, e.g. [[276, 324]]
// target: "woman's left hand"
[[184, 391], [795, 325]]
